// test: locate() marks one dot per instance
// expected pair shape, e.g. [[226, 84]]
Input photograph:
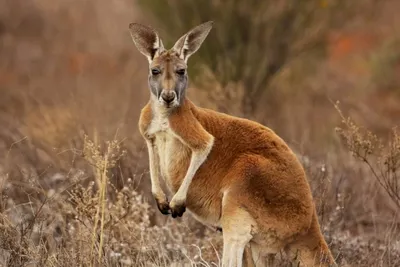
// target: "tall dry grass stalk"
[[101, 163]]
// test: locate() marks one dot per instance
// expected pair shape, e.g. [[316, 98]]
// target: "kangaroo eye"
[[180, 71], [155, 71]]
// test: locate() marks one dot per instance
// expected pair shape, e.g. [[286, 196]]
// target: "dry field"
[[74, 181]]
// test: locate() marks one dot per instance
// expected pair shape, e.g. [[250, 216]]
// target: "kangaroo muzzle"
[[168, 96]]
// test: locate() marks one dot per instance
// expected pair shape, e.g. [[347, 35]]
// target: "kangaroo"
[[231, 173]]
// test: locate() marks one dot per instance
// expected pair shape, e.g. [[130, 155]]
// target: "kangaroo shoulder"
[[145, 119]]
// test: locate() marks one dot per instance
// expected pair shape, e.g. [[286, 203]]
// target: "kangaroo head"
[[168, 77]]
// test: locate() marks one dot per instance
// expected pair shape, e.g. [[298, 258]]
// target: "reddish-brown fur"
[[250, 159], [251, 184]]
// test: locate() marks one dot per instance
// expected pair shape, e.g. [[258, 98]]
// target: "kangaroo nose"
[[168, 97]]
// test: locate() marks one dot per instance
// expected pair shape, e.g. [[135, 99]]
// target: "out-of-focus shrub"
[[251, 40], [386, 65]]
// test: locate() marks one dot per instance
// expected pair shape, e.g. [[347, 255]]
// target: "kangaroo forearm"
[[197, 159], [195, 163], [154, 166]]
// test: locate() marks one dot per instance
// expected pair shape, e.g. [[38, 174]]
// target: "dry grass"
[[89, 222], [383, 161], [70, 79]]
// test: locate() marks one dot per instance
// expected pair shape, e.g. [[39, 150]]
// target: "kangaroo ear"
[[191, 41], [146, 40]]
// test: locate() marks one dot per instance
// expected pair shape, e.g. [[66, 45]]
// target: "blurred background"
[[71, 80]]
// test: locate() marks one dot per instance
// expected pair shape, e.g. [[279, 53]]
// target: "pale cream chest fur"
[[170, 150]]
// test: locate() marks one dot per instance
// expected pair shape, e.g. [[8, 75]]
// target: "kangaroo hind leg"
[[237, 229], [260, 257]]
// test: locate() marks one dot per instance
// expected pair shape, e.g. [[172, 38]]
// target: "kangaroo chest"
[[173, 155], [174, 159]]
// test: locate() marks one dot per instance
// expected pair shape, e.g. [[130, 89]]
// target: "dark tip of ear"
[[135, 25], [209, 23]]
